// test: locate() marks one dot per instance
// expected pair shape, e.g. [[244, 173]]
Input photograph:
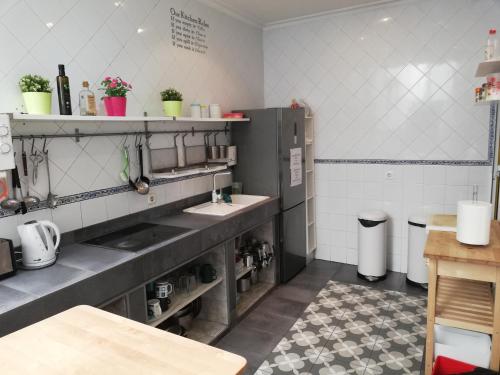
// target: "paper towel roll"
[[473, 222]]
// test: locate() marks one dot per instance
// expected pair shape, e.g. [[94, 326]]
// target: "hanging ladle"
[[30, 200], [52, 200], [142, 182]]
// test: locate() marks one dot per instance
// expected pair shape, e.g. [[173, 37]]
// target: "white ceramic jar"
[[215, 111], [195, 110]]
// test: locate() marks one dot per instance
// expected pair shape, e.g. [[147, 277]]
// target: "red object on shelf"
[[233, 115], [448, 366]]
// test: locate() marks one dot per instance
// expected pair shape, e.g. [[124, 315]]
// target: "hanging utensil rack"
[[147, 133]]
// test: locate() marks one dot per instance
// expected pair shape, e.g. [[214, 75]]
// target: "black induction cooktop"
[[137, 237]]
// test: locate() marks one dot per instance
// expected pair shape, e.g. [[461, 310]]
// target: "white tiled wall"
[[389, 82], [95, 38], [345, 190], [392, 82]]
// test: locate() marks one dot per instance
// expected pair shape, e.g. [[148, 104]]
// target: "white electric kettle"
[[37, 243]]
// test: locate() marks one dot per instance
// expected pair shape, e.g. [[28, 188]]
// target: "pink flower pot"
[[115, 105]]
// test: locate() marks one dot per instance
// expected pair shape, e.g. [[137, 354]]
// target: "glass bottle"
[[491, 45], [87, 101]]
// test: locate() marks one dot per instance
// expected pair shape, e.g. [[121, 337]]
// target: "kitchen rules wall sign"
[[188, 32]]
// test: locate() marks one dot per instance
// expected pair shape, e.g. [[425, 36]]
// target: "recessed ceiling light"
[[386, 19], [49, 25], [361, 38], [140, 31], [118, 3]]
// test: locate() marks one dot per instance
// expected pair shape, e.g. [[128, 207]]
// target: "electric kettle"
[[37, 243]]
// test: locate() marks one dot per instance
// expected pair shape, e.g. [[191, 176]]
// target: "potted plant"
[[172, 102], [115, 101], [37, 94]]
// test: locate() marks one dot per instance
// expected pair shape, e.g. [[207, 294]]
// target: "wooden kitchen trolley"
[[461, 292]]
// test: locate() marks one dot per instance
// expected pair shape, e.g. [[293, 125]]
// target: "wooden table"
[[460, 293], [86, 340]]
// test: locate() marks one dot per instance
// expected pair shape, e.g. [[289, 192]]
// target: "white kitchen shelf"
[[27, 117], [310, 194], [487, 102], [488, 67], [181, 300]]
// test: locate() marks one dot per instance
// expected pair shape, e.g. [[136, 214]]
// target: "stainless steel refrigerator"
[[265, 146]]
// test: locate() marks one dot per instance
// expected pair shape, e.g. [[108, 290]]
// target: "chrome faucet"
[[217, 198]]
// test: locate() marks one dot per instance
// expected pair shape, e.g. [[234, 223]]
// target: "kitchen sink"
[[239, 202]]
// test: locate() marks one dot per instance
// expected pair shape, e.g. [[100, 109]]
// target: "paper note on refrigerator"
[[295, 166]]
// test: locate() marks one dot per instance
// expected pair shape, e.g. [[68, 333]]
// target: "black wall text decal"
[[188, 32]]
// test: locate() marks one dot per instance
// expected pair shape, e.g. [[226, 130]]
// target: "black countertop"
[[86, 274]]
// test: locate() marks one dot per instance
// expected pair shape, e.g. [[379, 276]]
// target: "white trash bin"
[[417, 235], [372, 245]]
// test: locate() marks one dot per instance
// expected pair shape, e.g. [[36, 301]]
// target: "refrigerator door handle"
[[295, 132]]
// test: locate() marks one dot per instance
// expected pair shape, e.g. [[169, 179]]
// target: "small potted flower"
[[37, 94], [172, 102], [115, 101]]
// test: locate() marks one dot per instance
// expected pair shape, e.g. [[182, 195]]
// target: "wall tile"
[[116, 205], [68, 217], [413, 61], [94, 211]]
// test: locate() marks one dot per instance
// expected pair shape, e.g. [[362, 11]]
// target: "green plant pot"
[[172, 108], [38, 103]]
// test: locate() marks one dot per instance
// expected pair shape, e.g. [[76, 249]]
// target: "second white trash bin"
[[417, 235], [372, 245]]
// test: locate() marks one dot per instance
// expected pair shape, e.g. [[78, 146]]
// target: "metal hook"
[[33, 146], [44, 149], [138, 140], [22, 145], [125, 140]]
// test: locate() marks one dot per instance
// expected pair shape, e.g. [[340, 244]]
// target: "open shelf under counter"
[[251, 296], [244, 271], [180, 300], [78, 118], [205, 331]]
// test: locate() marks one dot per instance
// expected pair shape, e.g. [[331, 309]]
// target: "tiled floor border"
[[476, 163]]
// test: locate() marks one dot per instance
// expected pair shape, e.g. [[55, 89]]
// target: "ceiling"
[[268, 12]]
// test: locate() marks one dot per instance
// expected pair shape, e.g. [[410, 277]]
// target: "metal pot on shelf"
[[254, 275], [244, 284]]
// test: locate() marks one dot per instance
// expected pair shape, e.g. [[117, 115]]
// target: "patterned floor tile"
[[353, 329]]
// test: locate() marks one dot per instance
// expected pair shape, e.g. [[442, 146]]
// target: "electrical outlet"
[[151, 198], [389, 175]]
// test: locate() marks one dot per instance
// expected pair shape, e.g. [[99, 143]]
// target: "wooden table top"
[[86, 340], [444, 245]]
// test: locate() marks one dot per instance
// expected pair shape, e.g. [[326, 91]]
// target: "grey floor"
[[258, 333]]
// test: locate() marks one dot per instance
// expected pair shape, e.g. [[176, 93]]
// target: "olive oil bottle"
[[63, 92]]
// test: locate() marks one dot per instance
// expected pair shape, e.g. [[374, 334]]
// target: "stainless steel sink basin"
[[239, 202]]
